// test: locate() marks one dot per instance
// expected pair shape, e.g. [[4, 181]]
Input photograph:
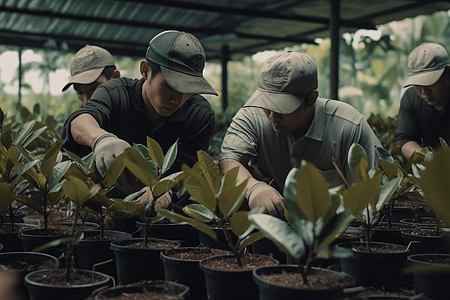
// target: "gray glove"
[[261, 194], [105, 148]]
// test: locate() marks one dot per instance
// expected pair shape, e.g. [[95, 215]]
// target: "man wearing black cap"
[[285, 122], [90, 67], [164, 104], [423, 116]]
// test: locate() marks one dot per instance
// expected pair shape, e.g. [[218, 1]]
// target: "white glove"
[[261, 194], [105, 148]]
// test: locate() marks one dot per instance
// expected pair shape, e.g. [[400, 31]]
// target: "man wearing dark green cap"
[[424, 116], [165, 104]]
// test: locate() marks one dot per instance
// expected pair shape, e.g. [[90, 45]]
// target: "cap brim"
[[281, 103], [425, 79], [187, 84], [87, 77]]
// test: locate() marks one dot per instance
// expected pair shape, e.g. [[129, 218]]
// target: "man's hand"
[[162, 202], [261, 194], [105, 148]]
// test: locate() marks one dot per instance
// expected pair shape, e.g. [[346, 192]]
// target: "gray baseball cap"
[[182, 59], [426, 64], [284, 81], [88, 64]]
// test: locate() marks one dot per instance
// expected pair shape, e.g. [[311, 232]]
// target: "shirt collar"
[[316, 130]]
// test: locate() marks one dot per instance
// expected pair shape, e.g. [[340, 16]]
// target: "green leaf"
[[197, 186], [389, 169], [155, 152], [30, 138], [6, 197], [48, 162], [387, 191], [53, 243], [280, 233], [312, 192], [55, 197], [130, 158], [26, 154], [239, 222], [251, 239], [355, 154], [232, 197], [170, 157], [23, 132], [78, 191], [361, 194], [144, 152], [30, 203], [332, 229], [178, 219], [444, 144], [199, 212], [212, 170], [58, 173], [167, 183]]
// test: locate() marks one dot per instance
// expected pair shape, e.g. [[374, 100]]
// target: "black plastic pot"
[[91, 252], [376, 269], [381, 233], [135, 264], [433, 284], [271, 291], [33, 238], [184, 233], [11, 240], [226, 285], [424, 244], [156, 286], [43, 291], [29, 261]]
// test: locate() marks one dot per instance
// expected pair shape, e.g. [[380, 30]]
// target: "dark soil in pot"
[[424, 240]]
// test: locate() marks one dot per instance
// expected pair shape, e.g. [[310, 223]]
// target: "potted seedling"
[[313, 223], [432, 270], [68, 282], [142, 164], [385, 260], [217, 199]]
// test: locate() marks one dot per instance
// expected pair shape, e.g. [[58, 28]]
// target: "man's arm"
[[409, 148], [85, 130], [228, 164]]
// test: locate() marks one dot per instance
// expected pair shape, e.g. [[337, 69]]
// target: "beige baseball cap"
[[284, 81], [426, 64], [88, 64]]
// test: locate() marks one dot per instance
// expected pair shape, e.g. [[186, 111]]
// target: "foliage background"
[[371, 74]]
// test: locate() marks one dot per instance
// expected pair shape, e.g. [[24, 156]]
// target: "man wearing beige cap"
[[165, 104], [285, 122], [423, 116], [90, 67]]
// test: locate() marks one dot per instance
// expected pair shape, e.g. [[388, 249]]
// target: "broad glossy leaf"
[[312, 192], [239, 222], [155, 152], [25, 153], [23, 132], [130, 158], [7, 139], [6, 197], [389, 169], [251, 239], [30, 203], [31, 137], [197, 186], [387, 191], [48, 162], [144, 152], [58, 173], [362, 170], [355, 154], [213, 171], [199, 212], [332, 229], [444, 144], [11, 158], [361, 194], [126, 207], [231, 198], [179, 219], [24, 169], [55, 197], [170, 157], [435, 183], [280, 233], [340, 173], [53, 243], [78, 191], [167, 183]]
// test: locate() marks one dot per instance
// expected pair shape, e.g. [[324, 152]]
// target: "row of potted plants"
[[315, 216]]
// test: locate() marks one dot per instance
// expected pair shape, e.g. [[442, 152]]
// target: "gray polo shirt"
[[336, 125]]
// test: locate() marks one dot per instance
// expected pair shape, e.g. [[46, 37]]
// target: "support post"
[[335, 17], [224, 60]]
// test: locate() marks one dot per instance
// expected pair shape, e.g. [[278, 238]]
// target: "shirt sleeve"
[[407, 129], [240, 142]]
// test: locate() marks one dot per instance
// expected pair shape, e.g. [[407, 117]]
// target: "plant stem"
[[368, 229]]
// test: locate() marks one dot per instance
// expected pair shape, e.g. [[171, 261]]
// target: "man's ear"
[[312, 97], [116, 74], [144, 68]]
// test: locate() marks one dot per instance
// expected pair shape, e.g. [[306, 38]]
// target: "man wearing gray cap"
[[90, 67], [285, 122], [423, 116], [165, 104]]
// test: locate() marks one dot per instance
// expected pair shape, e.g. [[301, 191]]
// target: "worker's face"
[[298, 121], [436, 95], [85, 91], [159, 96]]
